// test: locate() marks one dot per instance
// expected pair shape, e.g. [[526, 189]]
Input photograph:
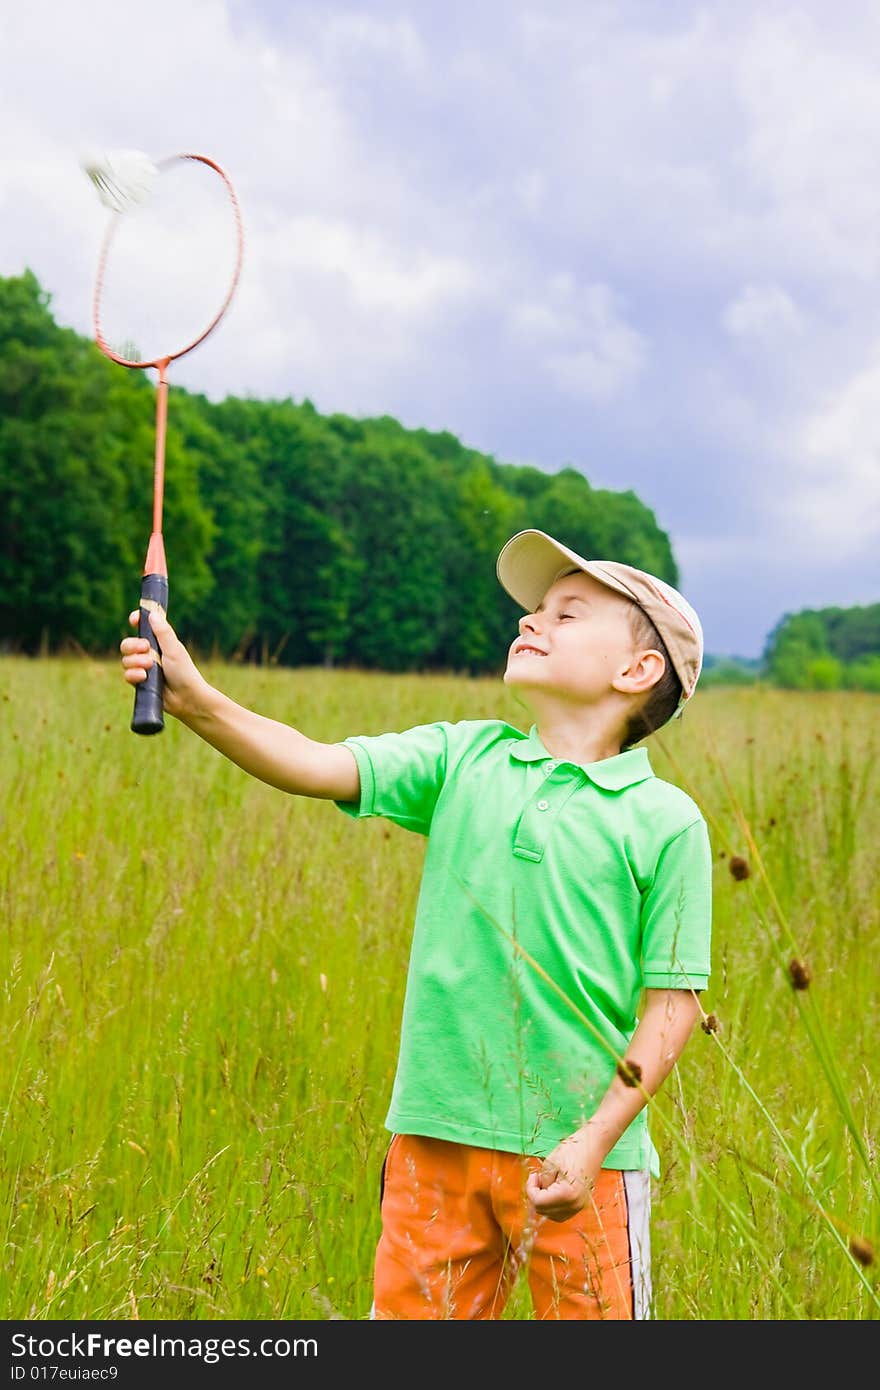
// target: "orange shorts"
[[457, 1228]]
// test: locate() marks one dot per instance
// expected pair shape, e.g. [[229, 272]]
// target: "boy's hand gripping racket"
[[169, 264]]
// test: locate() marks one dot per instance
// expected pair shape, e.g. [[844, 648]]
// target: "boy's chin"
[[516, 680], [520, 673]]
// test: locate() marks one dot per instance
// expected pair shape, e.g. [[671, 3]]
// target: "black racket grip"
[[149, 716]]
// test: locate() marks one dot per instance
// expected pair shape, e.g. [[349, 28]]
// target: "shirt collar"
[[612, 774]]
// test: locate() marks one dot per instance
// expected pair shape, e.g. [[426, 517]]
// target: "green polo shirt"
[[552, 894]]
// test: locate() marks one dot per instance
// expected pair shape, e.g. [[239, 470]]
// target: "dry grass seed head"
[[861, 1250], [799, 973], [630, 1073]]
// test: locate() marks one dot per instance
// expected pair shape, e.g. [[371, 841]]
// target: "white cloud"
[[763, 313], [836, 497], [602, 370], [580, 338], [811, 104], [530, 190], [350, 36], [380, 275]]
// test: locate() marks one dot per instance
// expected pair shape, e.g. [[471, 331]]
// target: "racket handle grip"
[[149, 716]]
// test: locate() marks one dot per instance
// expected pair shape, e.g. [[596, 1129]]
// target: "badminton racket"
[[168, 268]]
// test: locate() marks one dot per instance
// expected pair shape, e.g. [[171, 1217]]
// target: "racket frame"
[[148, 714]]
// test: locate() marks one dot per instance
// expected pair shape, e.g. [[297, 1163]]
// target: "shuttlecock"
[[122, 177]]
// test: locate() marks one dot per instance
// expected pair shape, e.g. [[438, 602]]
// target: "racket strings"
[[170, 264]]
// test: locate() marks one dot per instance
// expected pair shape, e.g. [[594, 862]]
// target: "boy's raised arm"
[[274, 752]]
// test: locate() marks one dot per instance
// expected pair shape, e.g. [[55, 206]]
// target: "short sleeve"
[[401, 775], [677, 914]]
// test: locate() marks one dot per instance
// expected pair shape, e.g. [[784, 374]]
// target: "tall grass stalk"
[[801, 983]]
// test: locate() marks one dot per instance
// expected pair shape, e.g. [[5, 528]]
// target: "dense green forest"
[[296, 537], [291, 536]]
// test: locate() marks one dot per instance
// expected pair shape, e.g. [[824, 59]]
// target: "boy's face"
[[578, 643]]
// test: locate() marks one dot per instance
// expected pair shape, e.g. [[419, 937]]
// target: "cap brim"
[[531, 561]]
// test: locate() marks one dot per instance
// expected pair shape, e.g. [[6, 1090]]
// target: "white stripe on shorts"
[[637, 1185]]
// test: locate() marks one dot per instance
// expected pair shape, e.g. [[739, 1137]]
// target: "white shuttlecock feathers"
[[122, 177]]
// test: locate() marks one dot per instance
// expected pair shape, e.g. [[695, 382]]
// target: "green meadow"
[[202, 980]]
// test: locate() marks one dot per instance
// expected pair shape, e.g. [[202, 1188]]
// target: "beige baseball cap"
[[531, 561]]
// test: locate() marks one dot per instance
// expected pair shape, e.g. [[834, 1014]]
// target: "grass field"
[[202, 980]]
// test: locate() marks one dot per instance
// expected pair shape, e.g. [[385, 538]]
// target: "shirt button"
[[551, 767], [543, 805]]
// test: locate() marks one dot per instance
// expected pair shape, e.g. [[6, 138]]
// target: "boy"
[[563, 885]]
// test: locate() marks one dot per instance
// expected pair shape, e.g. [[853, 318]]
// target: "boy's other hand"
[[561, 1187], [182, 683]]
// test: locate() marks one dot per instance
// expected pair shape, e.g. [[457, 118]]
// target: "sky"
[[637, 239]]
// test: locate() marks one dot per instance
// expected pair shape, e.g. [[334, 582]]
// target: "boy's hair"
[[663, 698]]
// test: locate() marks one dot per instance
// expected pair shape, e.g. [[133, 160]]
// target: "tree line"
[[292, 537], [826, 649]]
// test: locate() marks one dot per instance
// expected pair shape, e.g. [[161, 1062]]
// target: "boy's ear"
[[642, 673]]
